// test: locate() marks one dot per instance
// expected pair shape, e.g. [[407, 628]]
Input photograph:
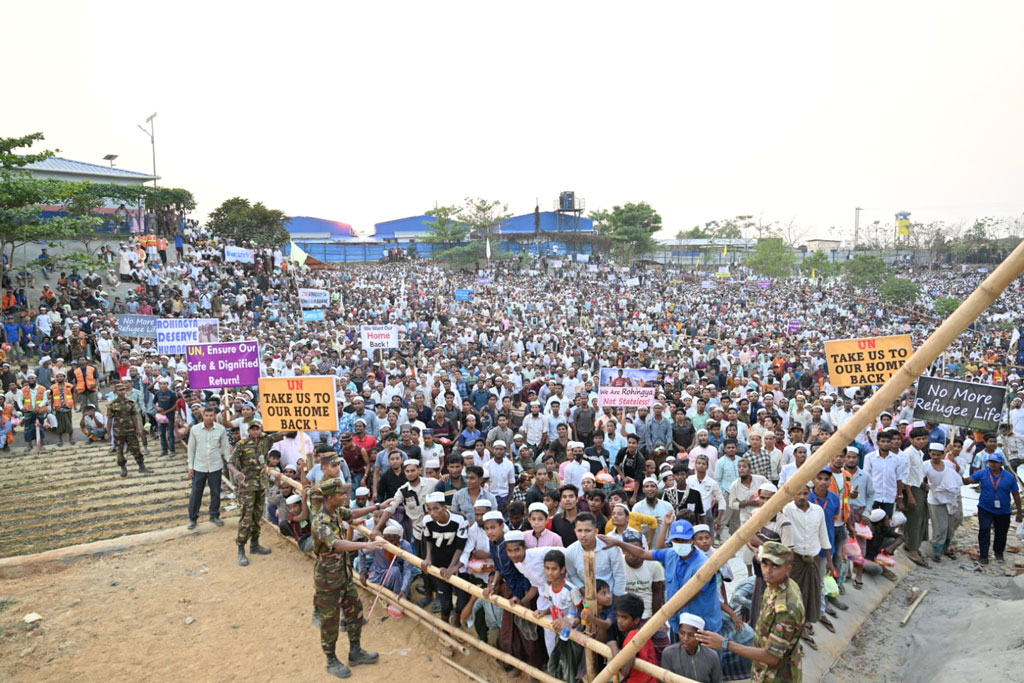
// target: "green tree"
[[631, 228], [772, 258], [819, 264], [21, 218], [866, 270], [483, 218], [694, 233], [945, 305], [244, 222], [447, 228], [899, 290]]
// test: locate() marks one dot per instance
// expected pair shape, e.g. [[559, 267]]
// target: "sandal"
[[858, 584], [810, 642]]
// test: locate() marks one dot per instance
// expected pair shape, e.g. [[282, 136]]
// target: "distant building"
[[60, 168], [822, 245]]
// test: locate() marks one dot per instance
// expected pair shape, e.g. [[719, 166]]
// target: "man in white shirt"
[[535, 428], [502, 472], [651, 504], [886, 469], [208, 450], [810, 538], [710, 493], [915, 499], [576, 468]]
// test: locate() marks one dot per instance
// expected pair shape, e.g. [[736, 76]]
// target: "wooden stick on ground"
[[983, 297], [382, 592], [914, 607], [464, 670]]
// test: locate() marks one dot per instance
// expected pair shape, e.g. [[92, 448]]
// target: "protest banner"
[[793, 327], [582, 258], [954, 402], [627, 387], [173, 335], [483, 280], [298, 404], [764, 284], [223, 364], [556, 263], [633, 282], [314, 298], [707, 284], [872, 360], [239, 254], [374, 337], [137, 326], [464, 294], [313, 316], [593, 268]]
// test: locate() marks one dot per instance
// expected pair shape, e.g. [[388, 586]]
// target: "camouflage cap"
[[331, 458], [328, 487], [776, 553]]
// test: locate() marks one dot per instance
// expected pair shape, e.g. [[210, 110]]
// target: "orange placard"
[[298, 404], [860, 362]]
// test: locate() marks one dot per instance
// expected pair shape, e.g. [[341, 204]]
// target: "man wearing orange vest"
[[83, 379], [162, 248], [35, 405], [62, 395]]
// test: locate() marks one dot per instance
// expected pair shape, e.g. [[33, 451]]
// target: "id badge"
[[996, 503]]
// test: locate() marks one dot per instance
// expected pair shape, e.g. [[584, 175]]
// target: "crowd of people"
[[482, 446]]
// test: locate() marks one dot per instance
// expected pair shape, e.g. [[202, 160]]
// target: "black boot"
[[124, 470], [336, 668], [357, 655], [255, 547], [243, 561], [144, 470]]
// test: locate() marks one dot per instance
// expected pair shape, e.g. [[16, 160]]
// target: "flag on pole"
[[297, 255], [725, 250], [814, 273], [488, 248]]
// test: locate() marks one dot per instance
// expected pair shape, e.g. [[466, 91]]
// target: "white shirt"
[[944, 486], [709, 490], [660, 509], [914, 460], [573, 474], [810, 535], [885, 473], [503, 476], [739, 493], [640, 580]]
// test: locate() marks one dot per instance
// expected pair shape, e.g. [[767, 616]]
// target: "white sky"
[[365, 112]]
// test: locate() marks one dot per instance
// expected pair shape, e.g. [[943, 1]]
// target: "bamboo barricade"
[[587, 642], [370, 587], [527, 614], [983, 297], [590, 597]]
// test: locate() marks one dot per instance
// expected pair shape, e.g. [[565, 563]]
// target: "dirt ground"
[[966, 628], [123, 618]]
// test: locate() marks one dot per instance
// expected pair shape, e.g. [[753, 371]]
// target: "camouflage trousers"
[[252, 502], [336, 595], [130, 439]]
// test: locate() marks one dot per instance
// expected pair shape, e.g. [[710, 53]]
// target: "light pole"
[[152, 141]]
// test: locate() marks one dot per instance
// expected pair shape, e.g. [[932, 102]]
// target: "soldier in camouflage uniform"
[[248, 463], [776, 650], [333, 577], [124, 414]]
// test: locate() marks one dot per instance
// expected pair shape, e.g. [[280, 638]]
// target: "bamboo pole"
[[914, 607], [983, 297], [388, 595], [590, 596], [527, 614], [487, 648], [463, 670]]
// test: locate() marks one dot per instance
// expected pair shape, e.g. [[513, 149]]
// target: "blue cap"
[[632, 536], [996, 457], [680, 530]]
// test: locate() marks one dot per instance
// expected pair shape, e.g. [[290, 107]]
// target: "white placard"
[[374, 337]]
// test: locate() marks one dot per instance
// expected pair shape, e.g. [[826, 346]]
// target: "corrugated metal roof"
[[62, 165]]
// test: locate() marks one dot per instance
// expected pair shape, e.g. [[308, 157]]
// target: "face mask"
[[682, 549]]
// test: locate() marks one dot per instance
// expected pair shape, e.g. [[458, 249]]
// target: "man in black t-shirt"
[[444, 537]]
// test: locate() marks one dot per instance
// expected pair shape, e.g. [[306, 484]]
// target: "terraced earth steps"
[[66, 495]]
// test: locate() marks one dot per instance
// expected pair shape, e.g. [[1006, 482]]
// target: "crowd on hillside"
[[484, 436]]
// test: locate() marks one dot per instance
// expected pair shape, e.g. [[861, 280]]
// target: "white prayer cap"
[[515, 536], [768, 486], [494, 514], [482, 502], [435, 497], [701, 527], [936, 446], [652, 480], [292, 499], [537, 507], [876, 515], [691, 620], [362, 491]]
